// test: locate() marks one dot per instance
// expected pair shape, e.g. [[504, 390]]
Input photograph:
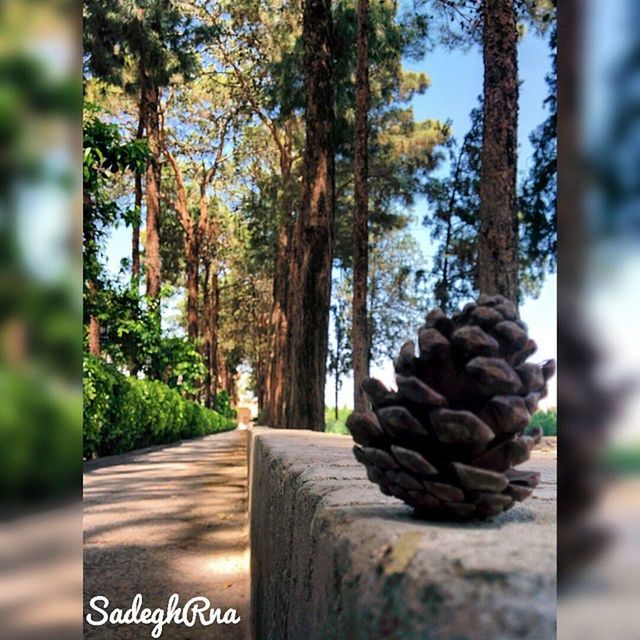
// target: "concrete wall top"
[[333, 558]]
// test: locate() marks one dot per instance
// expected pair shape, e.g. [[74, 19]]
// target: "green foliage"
[[398, 298], [402, 150], [130, 326], [121, 36], [222, 404], [40, 425], [123, 413], [398, 293], [105, 155], [547, 420], [539, 192], [339, 425]]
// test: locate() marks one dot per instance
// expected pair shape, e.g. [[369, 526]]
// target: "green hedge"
[[122, 414], [40, 426]]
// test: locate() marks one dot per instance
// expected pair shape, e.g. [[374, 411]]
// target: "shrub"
[[39, 438], [121, 414], [222, 404]]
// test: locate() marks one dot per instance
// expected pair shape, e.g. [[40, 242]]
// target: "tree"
[[361, 221], [539, 191], [498, 237], [340, 357], [141, 46], [104, 155], [201, 229], [454, 219], [399, 293], [398, 296], [263, 59], [496, 25], [313, 242]]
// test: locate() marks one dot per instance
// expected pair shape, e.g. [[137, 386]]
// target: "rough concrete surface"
[[334, 559], [169, 520]]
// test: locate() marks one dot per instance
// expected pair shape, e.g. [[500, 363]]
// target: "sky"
[[456, 83]]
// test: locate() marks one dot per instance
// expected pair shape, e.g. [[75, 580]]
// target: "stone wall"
[[334, 559]]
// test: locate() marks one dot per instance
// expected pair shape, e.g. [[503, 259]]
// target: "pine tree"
[[313, 236], [498, 237], [360, 338], [141, 46]]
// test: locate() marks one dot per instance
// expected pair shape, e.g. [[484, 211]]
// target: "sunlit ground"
[[170, 520]]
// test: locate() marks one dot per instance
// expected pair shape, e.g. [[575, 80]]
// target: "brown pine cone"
[[447, 441]]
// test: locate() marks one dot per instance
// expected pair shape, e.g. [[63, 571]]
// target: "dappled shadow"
[[169, 520]]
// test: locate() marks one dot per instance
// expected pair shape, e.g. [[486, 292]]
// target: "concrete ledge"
[[334, 559]]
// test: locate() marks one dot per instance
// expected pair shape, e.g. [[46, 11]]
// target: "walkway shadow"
[[169, 520]]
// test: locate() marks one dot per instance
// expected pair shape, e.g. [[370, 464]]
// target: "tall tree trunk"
[[359, 334], [214, 315], [211, 305], [135, 231], [206, 333], [151, 98], [192, 255], [279, 321], [498, 238], [442, 289], [228, 381], [135, 227], [313, 237], [336, 388]]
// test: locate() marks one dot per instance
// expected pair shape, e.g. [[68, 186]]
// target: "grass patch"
[[339, 424]]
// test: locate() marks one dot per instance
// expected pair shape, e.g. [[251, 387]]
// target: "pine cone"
[[447, 440]]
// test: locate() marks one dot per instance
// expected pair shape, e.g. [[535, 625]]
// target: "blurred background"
[[41, 320], [599, 301]]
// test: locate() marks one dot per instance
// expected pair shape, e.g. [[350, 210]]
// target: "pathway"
[[169, 520]]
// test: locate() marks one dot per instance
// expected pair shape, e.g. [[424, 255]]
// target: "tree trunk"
[[94, 333], [498, 237], [192, 255], [135, 227], [135, 231], [211, 305], [228, 381], [151, 99], [359, 334], [313, 241], [442, 289], [214, 314], [336, 387], [274, 414]]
